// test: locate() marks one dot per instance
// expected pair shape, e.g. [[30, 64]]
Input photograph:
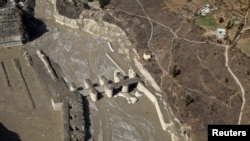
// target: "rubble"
[[13, 32]]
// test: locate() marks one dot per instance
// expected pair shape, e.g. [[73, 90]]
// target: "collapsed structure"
[[109, 88], [13, 32]]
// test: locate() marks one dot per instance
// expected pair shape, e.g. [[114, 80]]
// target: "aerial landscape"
[[122, 70]]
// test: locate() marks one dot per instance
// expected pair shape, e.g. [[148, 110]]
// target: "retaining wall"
[[141, 87]]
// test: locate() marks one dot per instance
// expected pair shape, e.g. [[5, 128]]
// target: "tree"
[[226, 80], [3, 3], [103, 3], [176, 71], [189, 100]]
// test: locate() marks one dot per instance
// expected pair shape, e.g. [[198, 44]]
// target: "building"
[[12, 30], [147, 55], [205, 10], [221, 33]]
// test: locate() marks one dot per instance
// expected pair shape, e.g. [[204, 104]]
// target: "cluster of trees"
[[176, 71], [103, 3], [3, 3]]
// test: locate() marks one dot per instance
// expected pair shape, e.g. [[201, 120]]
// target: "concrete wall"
[[105, 30], [141, 87], [76, 119], [46, 63], [56, 104], [73, 122], [65, 21], [65, 121], [109, 32], [11, 44], [115, 63]]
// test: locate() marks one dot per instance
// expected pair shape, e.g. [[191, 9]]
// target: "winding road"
[[238, 82], [227, 47]]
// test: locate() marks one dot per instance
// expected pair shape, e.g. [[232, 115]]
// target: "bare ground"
[[76, 55], [25, 106], [205, 92]]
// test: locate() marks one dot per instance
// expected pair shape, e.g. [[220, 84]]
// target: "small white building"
[[147, 55], [221, 33], [205, 10]]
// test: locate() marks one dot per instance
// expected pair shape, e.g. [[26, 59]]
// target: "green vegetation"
[[189, 100], [228, 14], [206, 21], [244, 45], [176, 71], [103, 3], [3, 3], [226, 80]]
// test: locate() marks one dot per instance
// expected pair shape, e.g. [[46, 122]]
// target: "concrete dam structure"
[[120, 82]]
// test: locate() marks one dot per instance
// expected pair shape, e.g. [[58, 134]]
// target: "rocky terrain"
[[202, 79], [211, 86], [28, 99]]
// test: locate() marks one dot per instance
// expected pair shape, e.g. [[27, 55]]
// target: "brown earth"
[[25, 98], [69, 9], [80, 56], [204, 92]]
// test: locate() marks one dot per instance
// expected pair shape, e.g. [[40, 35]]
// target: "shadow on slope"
[[7, 135]]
